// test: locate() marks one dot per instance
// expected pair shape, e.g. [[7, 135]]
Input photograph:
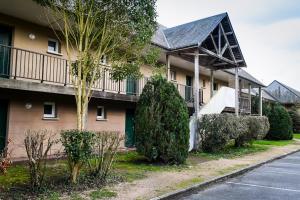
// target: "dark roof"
[[245, 75], [193, 33], [186, 35], [196, 34], [296, 92], [159, 37]]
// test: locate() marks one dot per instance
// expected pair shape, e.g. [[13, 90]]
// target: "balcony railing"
[[21, 64], [245, 106]]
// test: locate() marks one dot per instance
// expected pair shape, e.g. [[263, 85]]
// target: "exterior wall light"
[[31, 36], [28, 106]]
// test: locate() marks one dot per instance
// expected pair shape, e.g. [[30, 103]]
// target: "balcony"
[[245, 105], [37, 70]]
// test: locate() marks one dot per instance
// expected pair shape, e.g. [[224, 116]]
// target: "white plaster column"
[[237, 91], [249, 96], [260, 101], [168, 67], [211, 83], [196, 83]]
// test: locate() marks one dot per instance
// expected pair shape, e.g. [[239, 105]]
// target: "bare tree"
[[117, 29]]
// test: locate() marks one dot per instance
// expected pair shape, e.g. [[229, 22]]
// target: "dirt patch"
[[158, 183]]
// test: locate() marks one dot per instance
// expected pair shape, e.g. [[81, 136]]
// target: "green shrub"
[[216, 130], [280, 124], [256, 127], [295, 116], [161, 123], [38, 143], [104, 151], [78, 148]]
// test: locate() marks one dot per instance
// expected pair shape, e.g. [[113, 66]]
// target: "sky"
[[268, 32]]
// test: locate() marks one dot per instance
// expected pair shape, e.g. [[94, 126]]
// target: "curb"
[[201, 186]]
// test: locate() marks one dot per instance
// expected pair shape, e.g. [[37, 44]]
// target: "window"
[[53, 46], [103, 60], [215, 86], [100, 113], [49, 110], [173, 75], [204, 83]]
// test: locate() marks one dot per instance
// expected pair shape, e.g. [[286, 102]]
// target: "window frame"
[[102, 116], [53, 114], [57, 46]]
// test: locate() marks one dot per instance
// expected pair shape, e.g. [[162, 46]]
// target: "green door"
[[3, 122], [131, 86], [129, 128], [5, 51], [188, 89]]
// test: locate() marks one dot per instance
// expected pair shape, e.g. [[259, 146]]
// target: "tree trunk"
[[75, 172]]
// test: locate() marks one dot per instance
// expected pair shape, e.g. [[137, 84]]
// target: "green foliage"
[[38, 143], [78, 148], [256, 128], [295, 116], [161, 123], [105, 147], [102, 194], [217, 130], [280, 124]]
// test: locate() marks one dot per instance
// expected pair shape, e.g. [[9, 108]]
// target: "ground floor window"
[[49, 110], [100, 113]]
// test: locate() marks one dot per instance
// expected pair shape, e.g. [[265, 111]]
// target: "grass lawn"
[[128, 167], [231, 152], [274, 143], [297, 135]]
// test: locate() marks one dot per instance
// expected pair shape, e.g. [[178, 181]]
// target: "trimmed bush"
[[280, 124], [256, 128], [161, 123], [216, 130], [78, 147], [295, 116]]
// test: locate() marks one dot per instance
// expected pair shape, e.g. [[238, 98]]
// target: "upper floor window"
[[49, 110], [215, 86], [53, 46], [173, 75], [103, 60]]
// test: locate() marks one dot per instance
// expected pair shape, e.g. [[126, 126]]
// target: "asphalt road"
[[279, 180]]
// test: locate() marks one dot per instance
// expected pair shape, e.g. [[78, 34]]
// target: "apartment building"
[[202, 57]]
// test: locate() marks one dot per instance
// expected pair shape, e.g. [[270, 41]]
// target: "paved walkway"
[[279, 180]]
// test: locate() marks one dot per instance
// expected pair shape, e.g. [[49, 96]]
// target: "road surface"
[[278, 180]]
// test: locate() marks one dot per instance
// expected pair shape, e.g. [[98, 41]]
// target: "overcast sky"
[[268, 32]]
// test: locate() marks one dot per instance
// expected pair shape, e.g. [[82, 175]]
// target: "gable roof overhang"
[[213, 38]]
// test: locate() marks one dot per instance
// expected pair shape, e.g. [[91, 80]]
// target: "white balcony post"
[[260, 101], [237, 91], [168, 67], [196, 82], [249, 96], [211, 83]]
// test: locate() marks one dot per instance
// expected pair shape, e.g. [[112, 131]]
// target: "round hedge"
[[161, 123], [280, 124]]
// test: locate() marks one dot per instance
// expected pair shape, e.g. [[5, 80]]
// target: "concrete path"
[[279, 180]]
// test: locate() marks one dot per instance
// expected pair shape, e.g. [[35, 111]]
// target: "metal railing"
[[187, 92], [21, 64], [244, 104]]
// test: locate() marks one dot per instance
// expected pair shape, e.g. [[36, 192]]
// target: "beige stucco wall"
[[21, 119], [181, 79]]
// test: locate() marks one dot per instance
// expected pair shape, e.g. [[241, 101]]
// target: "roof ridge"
[[288, 88], [225, 14]]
